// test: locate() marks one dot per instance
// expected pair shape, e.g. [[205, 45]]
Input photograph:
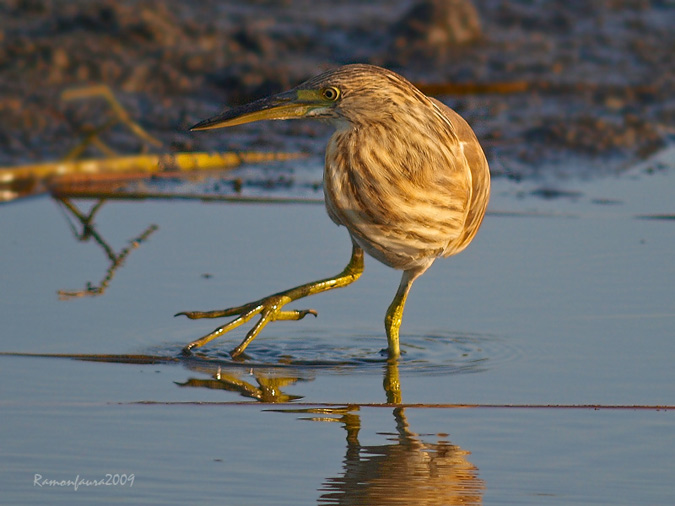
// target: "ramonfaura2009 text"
[[109, 480]]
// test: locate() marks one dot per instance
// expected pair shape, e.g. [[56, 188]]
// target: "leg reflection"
[[392, 383], [404, 470]]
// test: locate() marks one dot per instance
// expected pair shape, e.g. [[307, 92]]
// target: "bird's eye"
[[330, 93]]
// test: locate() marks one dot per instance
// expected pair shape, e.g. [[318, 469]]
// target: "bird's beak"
[[293, 104]]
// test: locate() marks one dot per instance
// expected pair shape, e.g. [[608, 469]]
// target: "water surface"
[[561, 301]]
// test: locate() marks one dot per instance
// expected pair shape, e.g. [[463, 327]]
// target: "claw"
[[295, 314], [196, 315]]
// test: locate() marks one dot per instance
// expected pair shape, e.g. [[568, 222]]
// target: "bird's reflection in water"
[[408, 469], [254, 383]]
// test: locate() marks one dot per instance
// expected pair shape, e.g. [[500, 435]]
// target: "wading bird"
[[404, 173]]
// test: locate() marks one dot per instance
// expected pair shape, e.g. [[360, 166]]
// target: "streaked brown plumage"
[[404, 173]]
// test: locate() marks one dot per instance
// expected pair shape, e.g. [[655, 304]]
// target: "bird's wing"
[[480, 177]]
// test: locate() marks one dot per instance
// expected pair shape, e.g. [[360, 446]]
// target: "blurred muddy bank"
[[550, 86]]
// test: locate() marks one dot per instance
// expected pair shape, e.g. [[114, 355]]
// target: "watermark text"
[[108, 480]]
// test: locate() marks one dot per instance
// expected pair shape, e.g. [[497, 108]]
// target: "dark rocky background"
[[551, 86]]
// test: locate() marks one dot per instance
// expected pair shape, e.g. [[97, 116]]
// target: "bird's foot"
[[269, 309]]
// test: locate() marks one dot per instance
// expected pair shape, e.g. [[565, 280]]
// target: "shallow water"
[[564, 301]]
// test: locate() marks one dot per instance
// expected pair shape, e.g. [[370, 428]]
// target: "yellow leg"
[[394, 316], [270, 308]]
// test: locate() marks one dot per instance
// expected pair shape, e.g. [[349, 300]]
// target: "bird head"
[[349, 93]]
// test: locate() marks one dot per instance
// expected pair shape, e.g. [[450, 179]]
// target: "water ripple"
[[428, 353]]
